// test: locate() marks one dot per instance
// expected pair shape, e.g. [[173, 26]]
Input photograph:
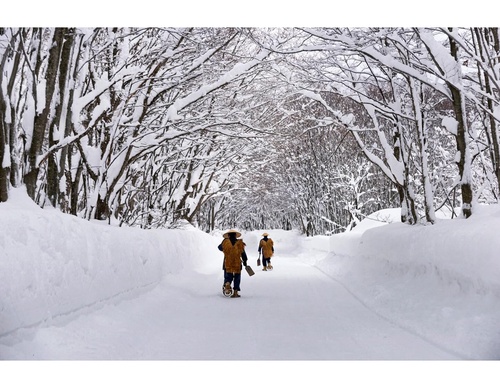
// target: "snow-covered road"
[[295, 312]]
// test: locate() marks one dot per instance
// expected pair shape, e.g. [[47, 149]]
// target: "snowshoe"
[[227, 291], [269, 267]]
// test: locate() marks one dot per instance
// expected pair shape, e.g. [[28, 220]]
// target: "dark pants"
[[266, 261], [230, 277]]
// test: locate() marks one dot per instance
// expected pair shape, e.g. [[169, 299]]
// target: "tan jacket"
[[267, 247], [232, 255]]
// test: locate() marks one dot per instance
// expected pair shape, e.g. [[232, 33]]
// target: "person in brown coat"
[[266, 246], [234, 254]]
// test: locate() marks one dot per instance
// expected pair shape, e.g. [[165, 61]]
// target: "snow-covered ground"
[[77, 290]]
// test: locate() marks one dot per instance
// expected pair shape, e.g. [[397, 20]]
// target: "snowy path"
[[292, 313]]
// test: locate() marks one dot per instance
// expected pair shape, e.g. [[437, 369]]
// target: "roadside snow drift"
[[440, 281], [53, 264]]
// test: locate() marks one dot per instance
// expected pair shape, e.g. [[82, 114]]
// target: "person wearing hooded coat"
[[234, 254], [266, 246]]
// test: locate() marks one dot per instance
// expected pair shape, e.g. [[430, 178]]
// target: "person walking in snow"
[[234, 254], [266, 246]]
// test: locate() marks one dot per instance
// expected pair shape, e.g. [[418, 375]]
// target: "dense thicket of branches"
[[251, 128]]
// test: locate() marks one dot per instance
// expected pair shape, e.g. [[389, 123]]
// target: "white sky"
[[257, 13]]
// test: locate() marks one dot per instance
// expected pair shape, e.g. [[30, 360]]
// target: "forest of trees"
[[312, 129]]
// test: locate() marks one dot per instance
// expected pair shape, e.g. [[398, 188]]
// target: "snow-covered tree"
[[268, 127]]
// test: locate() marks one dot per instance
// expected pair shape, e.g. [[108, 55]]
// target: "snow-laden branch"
[[346, 44], [393, 169], [239, 69]]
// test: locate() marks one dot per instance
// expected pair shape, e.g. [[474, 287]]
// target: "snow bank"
[[54, 264], [440, 281], [348, 243]]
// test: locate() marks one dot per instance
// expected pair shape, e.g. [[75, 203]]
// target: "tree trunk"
[[75, 184], [418, 100], [464, 159], [488, 38], [4, 180], [406, 197], [4, 143], [6, 124], [41, 123], [61, 50]]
